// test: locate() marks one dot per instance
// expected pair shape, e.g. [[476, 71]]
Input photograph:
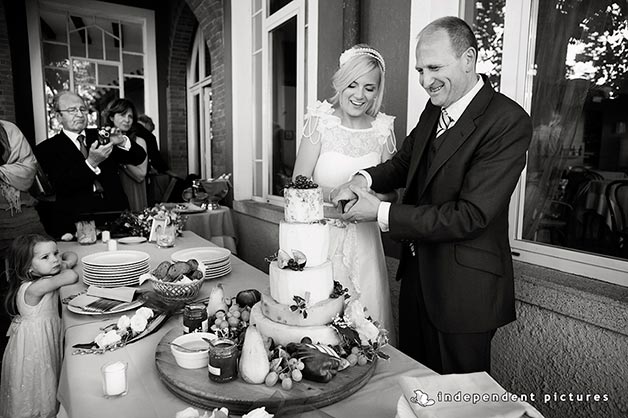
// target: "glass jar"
[[85, 232], [166, 235], [223, 360], [195, 318]]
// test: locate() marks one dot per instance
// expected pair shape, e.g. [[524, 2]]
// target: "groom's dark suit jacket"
[[455, 211], [73, 180]]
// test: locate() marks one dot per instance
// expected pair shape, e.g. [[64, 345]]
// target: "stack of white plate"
[[115, 268], [217, 260]]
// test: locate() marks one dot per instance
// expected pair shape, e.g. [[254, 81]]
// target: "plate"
[[132, 240], [207, 255], [122, 308], [220, 270], [134, 282], [188, 208], [404, 410], [114, 272], [216, 275], [115, 258]]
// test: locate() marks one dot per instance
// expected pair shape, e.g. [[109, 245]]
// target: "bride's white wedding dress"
[[357, 252]]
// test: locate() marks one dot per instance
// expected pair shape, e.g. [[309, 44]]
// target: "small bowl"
[[192, 340]]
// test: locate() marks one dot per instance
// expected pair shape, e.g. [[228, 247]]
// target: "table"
[[80, 391], [214, 225]]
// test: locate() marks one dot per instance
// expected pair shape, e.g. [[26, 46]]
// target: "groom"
[[459, 167]]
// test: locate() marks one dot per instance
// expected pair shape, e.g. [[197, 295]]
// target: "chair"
[[162, 186], [616, 194], [562, 221]]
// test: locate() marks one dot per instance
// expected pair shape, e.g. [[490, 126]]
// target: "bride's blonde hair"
[[354, 63]]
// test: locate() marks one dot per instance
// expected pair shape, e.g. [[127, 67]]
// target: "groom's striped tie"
[[443, 123]]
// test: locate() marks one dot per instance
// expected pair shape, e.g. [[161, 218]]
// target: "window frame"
[[144, 17], [294, 9], [517, 82], [247, 113], [199, 140]]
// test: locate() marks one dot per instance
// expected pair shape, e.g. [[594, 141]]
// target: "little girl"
[[32, 359]]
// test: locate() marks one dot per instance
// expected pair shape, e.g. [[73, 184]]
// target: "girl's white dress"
[[357, 253], [32, 359]]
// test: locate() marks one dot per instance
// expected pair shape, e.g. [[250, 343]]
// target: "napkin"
[[98, 299], [426, 397], [123, 294]]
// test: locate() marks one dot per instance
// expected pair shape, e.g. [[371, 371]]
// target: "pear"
[[254, 364], [216, 301]]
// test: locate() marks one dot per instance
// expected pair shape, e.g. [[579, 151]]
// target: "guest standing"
[[83, 172], [18, 167], [339, 139], [32, 360], [459, 166], [121, 114], [145, 128], [17, 213]]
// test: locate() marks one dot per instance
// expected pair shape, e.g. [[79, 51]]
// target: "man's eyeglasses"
[[74, 110]]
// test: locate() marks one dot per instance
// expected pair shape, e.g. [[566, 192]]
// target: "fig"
[[193, 263], [248, 297], [282, 259], [162, 270], [299, 258], [196, 275], [178, 269]]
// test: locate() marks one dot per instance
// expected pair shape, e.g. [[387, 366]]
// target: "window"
[[199, 82], [278, 51], [571, 208], [486, 18], [94, 51]]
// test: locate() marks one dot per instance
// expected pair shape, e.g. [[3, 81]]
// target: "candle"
[[114, 379], [112, 245], [105, 236]]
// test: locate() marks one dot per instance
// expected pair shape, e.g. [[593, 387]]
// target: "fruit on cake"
[[303, 297]]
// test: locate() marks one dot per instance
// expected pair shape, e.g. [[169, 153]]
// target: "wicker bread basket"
[[176, 292]]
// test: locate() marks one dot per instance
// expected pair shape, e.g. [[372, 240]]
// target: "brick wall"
[[7, 104], [181, 36], [210, 17]]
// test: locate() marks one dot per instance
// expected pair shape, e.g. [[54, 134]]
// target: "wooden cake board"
[[195, 387]]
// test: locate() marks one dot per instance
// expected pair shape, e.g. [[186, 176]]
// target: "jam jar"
[[195, 318], [223, 360]]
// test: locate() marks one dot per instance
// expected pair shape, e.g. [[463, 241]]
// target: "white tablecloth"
[[80, 391]]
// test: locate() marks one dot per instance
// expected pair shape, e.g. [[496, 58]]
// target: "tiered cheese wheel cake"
[[304, 230]]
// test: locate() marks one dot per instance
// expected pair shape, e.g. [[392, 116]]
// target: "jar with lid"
[[195, 318], [223, 360]]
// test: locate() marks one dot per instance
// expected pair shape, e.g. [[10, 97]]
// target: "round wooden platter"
[[195, 387]]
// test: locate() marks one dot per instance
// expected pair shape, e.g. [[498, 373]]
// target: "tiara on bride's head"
[[354, 52]]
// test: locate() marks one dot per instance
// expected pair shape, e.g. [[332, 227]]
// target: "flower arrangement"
[[139, 224], [359, 333], [125, 331]]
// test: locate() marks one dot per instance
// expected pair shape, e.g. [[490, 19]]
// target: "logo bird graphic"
[[422, 398]]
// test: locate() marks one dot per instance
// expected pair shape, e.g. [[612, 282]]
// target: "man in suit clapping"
[[83, 171]]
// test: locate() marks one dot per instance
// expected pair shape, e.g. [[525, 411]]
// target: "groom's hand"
[[344, 194], [365, 209]]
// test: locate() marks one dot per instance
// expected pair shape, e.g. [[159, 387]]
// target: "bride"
[[340, 138]]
